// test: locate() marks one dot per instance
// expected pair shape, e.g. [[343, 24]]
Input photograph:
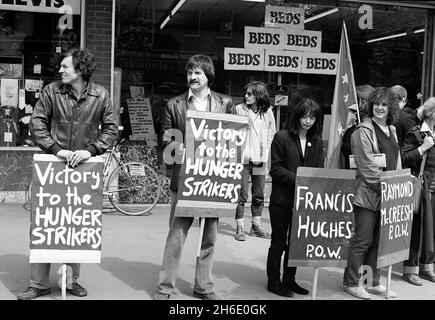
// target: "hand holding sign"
[[79, 156], [65, 154]]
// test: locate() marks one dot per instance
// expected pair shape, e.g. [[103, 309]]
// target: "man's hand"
[[65, 154], [79, 156]]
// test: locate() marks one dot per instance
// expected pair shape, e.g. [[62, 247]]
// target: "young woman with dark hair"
[[256, 108], [298, 145]]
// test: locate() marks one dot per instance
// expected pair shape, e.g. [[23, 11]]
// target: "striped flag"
[[345, 100]]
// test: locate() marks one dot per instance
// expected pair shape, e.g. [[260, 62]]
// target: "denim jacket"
[[364, 145]]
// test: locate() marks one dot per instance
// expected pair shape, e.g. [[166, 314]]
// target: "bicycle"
[[133, 188]]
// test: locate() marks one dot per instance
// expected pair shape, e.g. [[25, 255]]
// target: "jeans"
[[257, 189], [39, 274], [280, 221], [363, 249], [179, 227]]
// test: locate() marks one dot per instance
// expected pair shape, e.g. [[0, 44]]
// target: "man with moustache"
[[200, 76], [65, 123]]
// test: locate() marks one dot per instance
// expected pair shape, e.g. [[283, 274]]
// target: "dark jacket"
[[61, 121], [286, 157], [406, 120], [364, 145], [411, 157], [174, 117]]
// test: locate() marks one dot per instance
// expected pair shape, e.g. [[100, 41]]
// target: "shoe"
[[382, 291], [258, 231], [32, 293], [294, 287], [280, 290], [77, 290], [359, 292], [427, 275], [412, 278], [240, 233], [206, 296], [161, 296]]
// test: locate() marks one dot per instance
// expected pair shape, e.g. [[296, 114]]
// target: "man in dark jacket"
[[407, 117], [199, 97], [65, 123]]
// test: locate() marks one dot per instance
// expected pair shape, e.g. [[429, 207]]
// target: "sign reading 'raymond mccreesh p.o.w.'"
[[397, 205], [211, 173], [66, 211], [322, 217]]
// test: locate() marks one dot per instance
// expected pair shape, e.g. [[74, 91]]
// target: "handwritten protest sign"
[[66, 211], [397, 205], [211, 173], [322, 217]]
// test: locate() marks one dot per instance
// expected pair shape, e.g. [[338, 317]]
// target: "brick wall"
[[98, 37]]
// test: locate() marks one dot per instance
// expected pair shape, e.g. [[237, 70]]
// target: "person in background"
[[65, 123], [256, 154], [419, 141], [406, 117], [362, 91], [200, 76], [373, 136], [298, 145]]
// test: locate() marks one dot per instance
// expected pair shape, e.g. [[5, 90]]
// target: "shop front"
[[141, 48], [390, 43]]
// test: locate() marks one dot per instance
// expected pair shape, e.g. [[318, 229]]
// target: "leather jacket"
[[174, 117], [60, 120]]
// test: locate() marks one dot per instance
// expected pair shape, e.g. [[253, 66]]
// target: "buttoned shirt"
[[197, 103]]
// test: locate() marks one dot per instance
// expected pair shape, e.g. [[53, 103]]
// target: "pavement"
[[132, 251]]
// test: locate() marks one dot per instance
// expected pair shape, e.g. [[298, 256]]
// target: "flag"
[[345, 100]]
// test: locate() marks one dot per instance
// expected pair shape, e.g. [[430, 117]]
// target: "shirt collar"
[[90, 89], [191, 93], [425, 127]]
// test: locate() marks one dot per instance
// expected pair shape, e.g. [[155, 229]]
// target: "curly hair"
[[83, 61], [386, 96]]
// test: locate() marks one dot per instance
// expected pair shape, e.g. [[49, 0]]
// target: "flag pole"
[[351, 70]]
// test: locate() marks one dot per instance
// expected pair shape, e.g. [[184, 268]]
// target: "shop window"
[[31, 44]]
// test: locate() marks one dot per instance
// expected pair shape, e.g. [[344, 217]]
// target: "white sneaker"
[[382, 291], [359, 292]]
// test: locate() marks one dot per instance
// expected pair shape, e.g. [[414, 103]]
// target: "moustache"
[[193, 81]]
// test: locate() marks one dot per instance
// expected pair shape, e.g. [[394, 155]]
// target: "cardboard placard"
[[284, 17], [243, 59], [283, 61], [211, 173], [320, 63], [397, 205], [322, 217], [66, 211], [278, 39], [141, 119]]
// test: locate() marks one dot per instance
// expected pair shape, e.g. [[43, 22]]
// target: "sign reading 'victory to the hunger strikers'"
[[397, 206], [66, 211], [322, 217], [211, 173]]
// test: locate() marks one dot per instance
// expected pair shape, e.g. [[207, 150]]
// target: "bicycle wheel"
[[134, 188]]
